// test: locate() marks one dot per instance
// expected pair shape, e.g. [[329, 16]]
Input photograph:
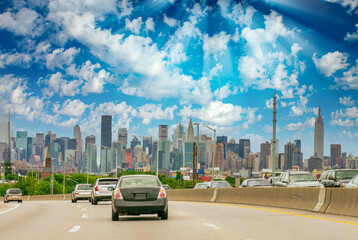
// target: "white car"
[[298, 179], [353, 183]]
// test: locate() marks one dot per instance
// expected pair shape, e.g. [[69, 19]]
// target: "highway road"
[[65, 220]]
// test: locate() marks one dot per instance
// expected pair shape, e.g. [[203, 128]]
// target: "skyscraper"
[[147, 145], [90, 139], [21, 144], [244, 143], [319, 135], [123, 136], [289, 149], [336, 155], [163, 132], [190, 135], [177, 136], [78, 137], [106, 130], [265, 151]]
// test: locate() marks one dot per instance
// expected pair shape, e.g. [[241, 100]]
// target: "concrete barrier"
[[343, 201], [192, 195]]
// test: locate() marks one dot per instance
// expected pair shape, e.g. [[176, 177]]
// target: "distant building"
[[77, 135], [123, 136], [134, 143], [319, 135], [314, 162], [289, 149], [106, 130], [190, 135], [244, 143], [336, 156], [265, 151], [298, 144], [21, 144], [178, 136], [163, 132], [147, 145], [219, 158], [91, 153], [90, 139], [223, 141]]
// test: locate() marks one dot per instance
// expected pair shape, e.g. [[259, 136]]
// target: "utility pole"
[[194, 163], [9, 138], [274, 137]]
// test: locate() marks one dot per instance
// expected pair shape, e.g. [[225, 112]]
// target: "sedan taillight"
[[162, 193], [76, 192], [117, 194], [96, 189]]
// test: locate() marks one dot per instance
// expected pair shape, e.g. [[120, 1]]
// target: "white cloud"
[[94, 81], [176, 53], [22, 23], [351, 5], [352, 37], [331, 62], [126, 7], [309, 123], [148, 112], [57, 84], [15, 59], [70, 123], [171, 22], [346, 101], [74, 108], [347, 117], [135, 25], [60, 58], [215, 44], [216, 112], [295, 48], [349, 80], [236, 12], [224, 92], [149, 24], [300, 108]]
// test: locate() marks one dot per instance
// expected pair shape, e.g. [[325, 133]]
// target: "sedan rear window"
[[220, 184], [302, 177], [15, 191], [346, 174], [139, 182], [257, 183], [84, 187], [107, 182]]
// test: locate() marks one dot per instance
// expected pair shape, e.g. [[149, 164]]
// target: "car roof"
[[106, 178], [138, 175], [299, 172]]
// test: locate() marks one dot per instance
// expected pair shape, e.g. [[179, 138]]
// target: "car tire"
[[90, 200], [163, 215], [115, 215], [95, 202], [74, 200], [18, 201], [5, 201]]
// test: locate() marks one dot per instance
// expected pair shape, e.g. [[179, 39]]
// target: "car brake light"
[[341, 184], [118, 194], [76, 192], [96, 189], [162, 193]]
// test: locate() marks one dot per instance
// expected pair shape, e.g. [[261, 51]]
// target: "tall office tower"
[[265, 151], [39, 144], [219, 158], [106, 141], [289, 149], [91, 153], [177, 135], [190, 135], [21, 144], [163, 132], [336, 156], [48, 138], [188, 154], [164, 155], [63, 144], [154, 156], [147, 145], [78, 137], [298, 144], [243, 143], [106, 130], [319, 135], [123, 136], [119, 153], [134, 143], [297, 158], [90, 139], [72, 143], [3, 129], [29, 148], [223, 140]]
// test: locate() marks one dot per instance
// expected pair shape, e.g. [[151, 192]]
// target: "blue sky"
[[159, 62]]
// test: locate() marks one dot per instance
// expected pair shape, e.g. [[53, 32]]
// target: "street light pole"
[[212, 172], [64, 173]]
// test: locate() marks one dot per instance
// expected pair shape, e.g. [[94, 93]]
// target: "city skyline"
[[161, 67]]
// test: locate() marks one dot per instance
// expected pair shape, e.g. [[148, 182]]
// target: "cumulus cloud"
[[352, 37], [349, 80], [15, 59], [237, 12], [295, 48], [59, 58], [308, 123], [149, 24], [22, 23], [135, 25], [126, 7], [350, 5], [346, 101], [171, 22], [347, 117], [331, 62], [149, 112], [56, 84], [215, 44], [74, 108]]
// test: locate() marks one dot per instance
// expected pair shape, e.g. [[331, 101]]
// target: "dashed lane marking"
[[84, 209], [212, 226], [17, 205], [84, 216], [75, 228]]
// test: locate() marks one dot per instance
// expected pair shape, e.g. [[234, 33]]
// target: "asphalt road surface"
[[65, 220]]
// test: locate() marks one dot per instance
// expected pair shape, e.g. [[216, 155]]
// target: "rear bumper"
[[14, 199], [140, 207], [103, 197]]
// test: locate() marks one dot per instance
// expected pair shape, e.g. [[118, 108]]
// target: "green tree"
[[11, 176], [230, 180]]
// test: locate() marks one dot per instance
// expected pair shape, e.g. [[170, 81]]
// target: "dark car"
[[139, 194], [337, 177]]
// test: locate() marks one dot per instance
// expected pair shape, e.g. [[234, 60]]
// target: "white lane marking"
[[17, 205], [180, 213], [84, 209], [212, 226], [84, 216], [78, 206], [75, 228]]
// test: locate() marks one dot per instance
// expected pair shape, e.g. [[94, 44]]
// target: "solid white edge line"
[[75, 228], [17, 205], [212, 226]]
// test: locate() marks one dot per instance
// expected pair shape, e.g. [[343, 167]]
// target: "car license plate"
[[140, 196]]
